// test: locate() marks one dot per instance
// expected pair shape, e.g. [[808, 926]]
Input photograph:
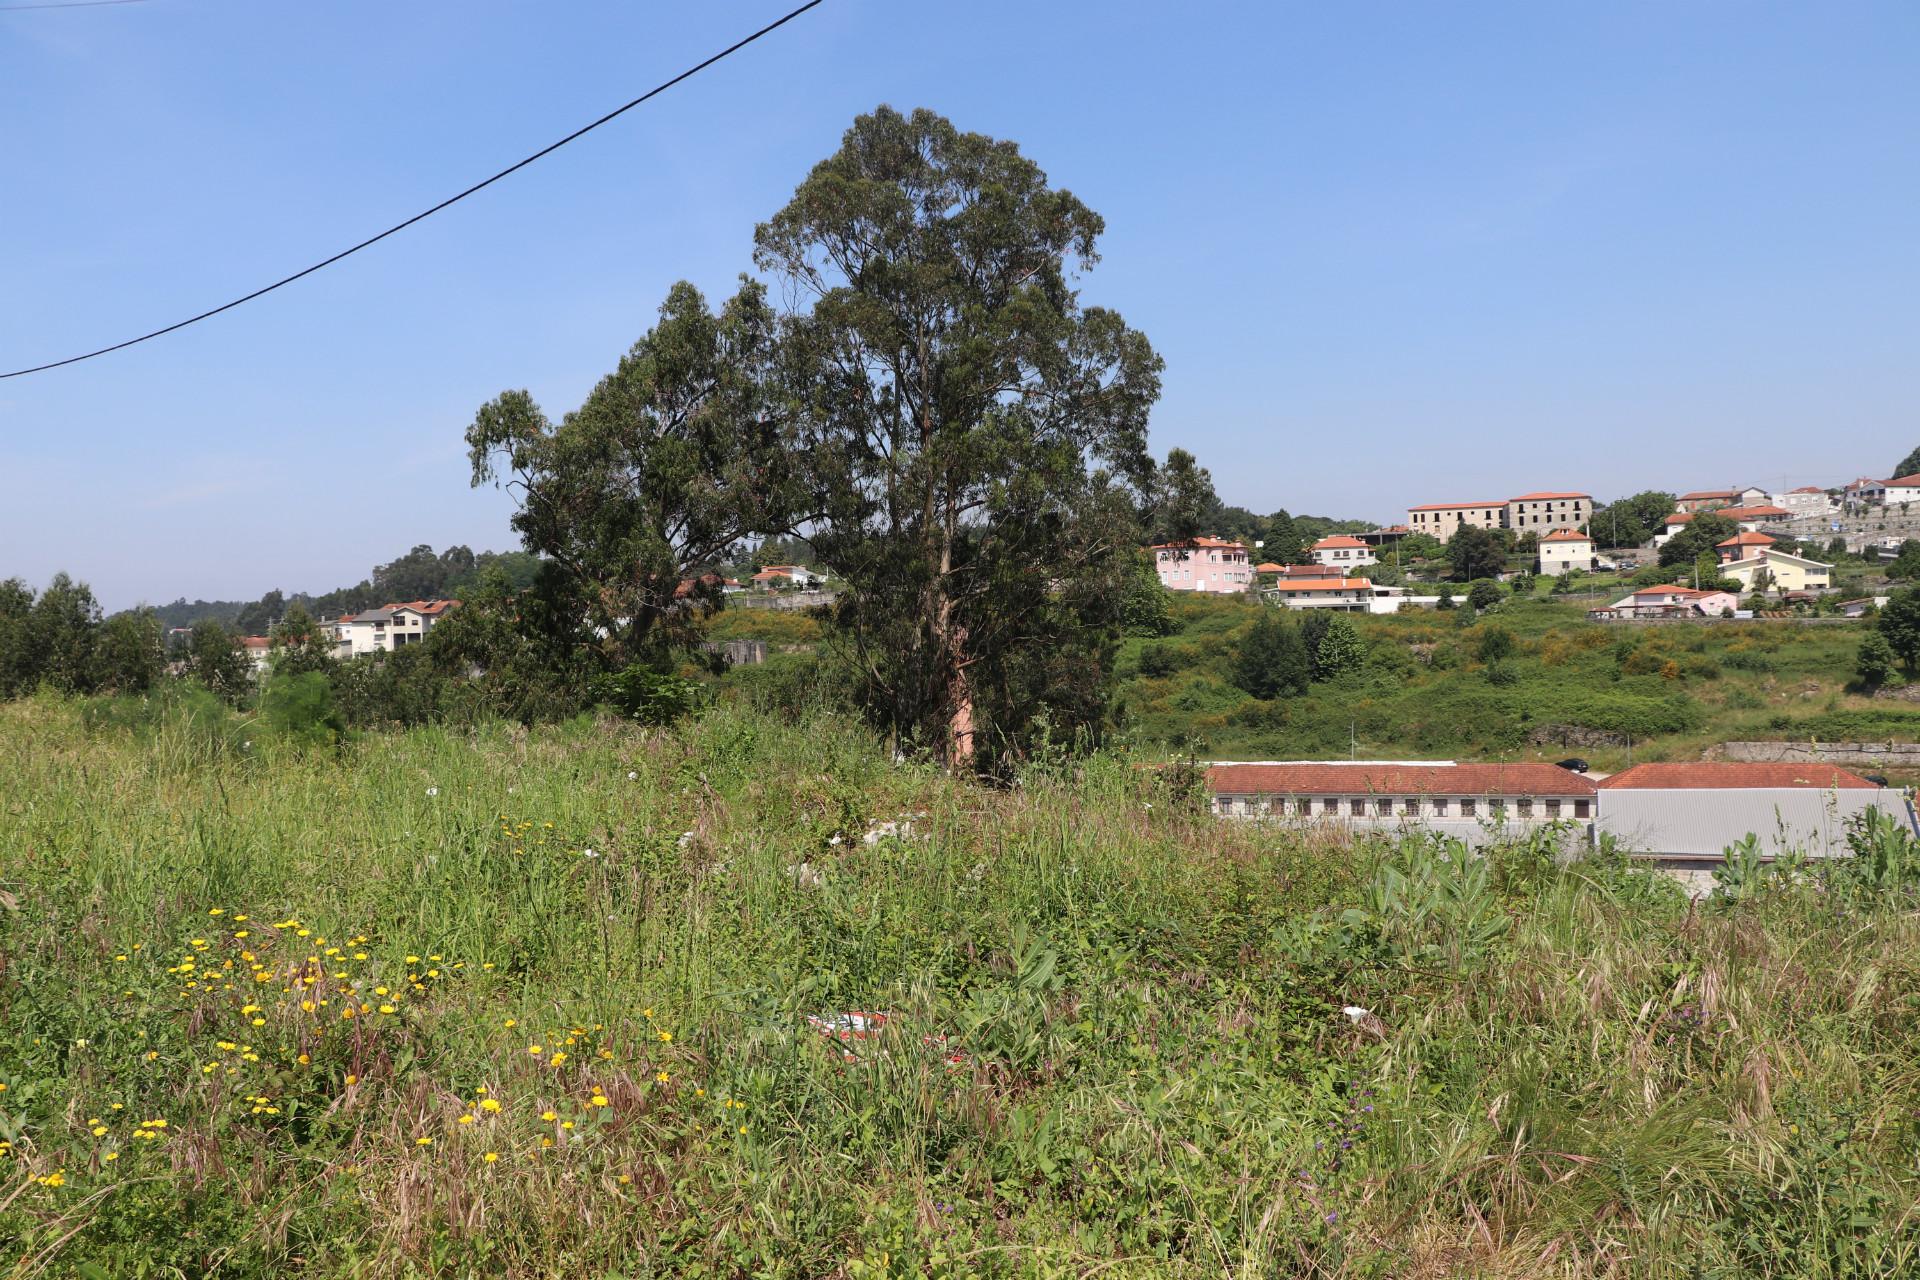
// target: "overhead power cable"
[[66, 4], [654, 92]]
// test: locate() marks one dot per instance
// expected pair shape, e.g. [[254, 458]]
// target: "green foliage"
[[1183, 502], [216, 660], [983, 592], [300, 708], [1476, 553], [299, 645], [1698, 537], [1909, 465], [1340, 651], [1273, 660], [1485, 593], [1906, 565], [1899, 625], [130, 656], [1632, 522], [1874, 662], [1494, 644], [1144, 610], [649, 696], [1151, 1075], [671, 461], [1284, 545]]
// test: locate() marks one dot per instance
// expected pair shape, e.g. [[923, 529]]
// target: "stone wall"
[[1898, 755]]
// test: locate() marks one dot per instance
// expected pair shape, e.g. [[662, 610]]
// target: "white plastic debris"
[[1354, 1012]]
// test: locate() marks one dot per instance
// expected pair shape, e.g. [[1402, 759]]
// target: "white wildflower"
[[1354, 1012], [588, 853], [433, 791]]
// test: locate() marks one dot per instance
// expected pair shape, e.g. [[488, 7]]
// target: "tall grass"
[[1116, 1043]]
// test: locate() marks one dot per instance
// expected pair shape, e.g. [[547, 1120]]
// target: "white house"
[[1807, 500], [1564, 550], [1900, 492], [1341, 552], [390, 627], [1670, 601], [1752, 516], [1203, 564], [1354, 595], [782, 577], [1464, 800], [1752, 560], [258, 650]]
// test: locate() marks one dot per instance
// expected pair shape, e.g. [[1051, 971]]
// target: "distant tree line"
[[421, 574]]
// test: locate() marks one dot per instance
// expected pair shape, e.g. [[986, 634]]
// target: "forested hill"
[[421, 574]]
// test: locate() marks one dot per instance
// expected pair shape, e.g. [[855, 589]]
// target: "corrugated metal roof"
[[1703, 823]]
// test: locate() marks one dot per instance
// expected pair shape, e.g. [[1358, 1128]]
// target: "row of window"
[[1387, 806]]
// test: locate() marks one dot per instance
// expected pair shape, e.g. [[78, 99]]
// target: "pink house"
[[1673, 602], [1203, 564]]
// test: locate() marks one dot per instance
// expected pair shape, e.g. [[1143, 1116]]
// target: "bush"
[[649, 696], [1157, 661], [301, 708]]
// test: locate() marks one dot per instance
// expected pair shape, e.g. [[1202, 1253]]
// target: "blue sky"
[[1392, 253]]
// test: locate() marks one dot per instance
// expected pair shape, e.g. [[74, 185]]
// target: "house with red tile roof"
[[1903, 491], [1212, 565], [1668, 601], [1565, 550], [786, 577], [1464, 800], [1758, 564], [1528, 513], [390, 627], [1338, 551]]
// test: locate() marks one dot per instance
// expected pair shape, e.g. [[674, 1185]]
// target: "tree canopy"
[[974, 438], [1907, 466], [672, 460], [1631, 521], [1700, 536], [1476, 553]]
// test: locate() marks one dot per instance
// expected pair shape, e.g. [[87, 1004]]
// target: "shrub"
[[301, 709], [649, 696]]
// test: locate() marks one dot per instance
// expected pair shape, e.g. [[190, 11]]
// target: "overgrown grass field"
[[538, 1004], [1672, 689]]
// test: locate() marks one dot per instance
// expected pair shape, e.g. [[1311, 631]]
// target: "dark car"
[[1878, 780], [1572, 765]]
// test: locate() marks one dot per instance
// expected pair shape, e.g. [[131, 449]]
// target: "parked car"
[[1573, 764]]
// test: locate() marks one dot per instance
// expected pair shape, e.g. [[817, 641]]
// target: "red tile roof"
[[1729, 774], [1700, 495], [1456, 506], [1269, 567], [1319, 584], [428, 607], [1566, 535], [1541, 497], [1338, 540], [1679, 517], [1193, 543], [1807, 488], [1747, 540], [1905, 482], [1677, 591], [1527, 779], [1758, 511], [256, 642]]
